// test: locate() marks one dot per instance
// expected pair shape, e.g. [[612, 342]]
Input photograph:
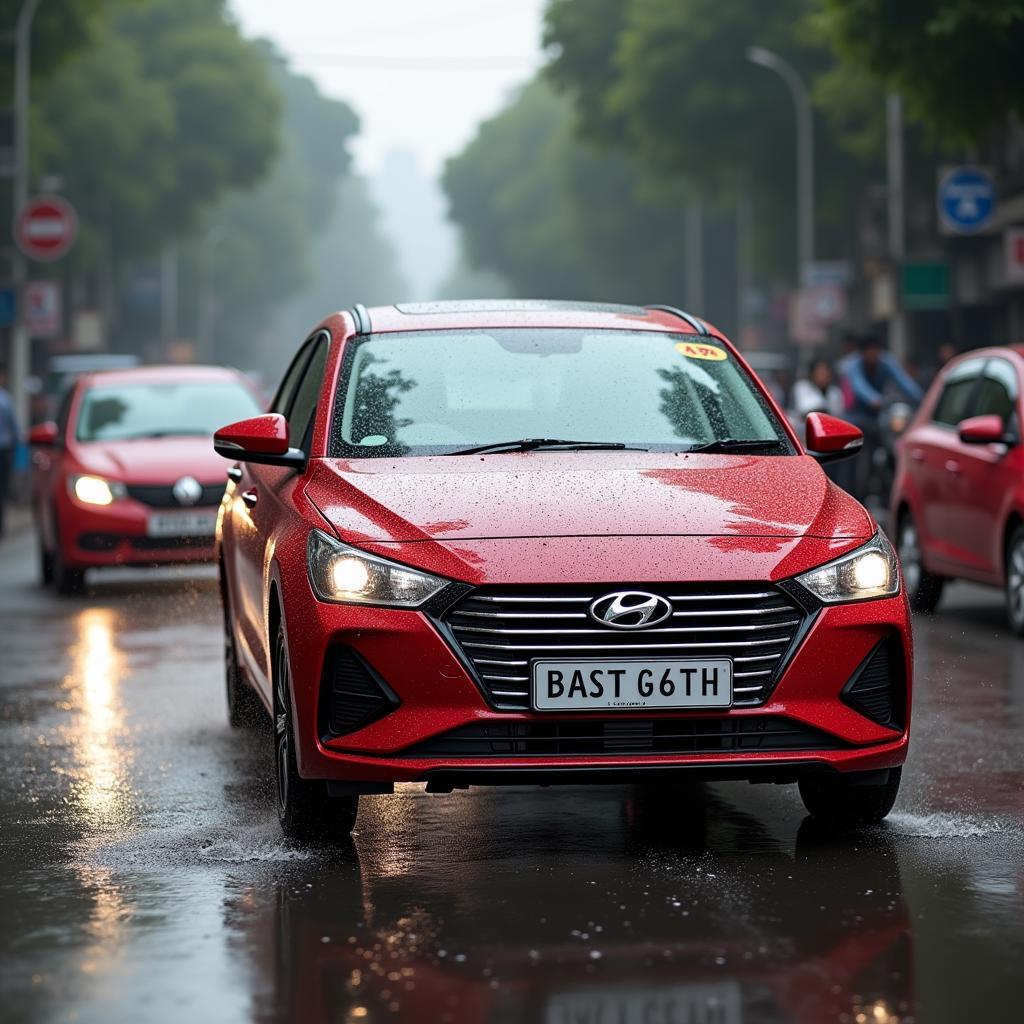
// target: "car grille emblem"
[[630, 609], [187, 491]]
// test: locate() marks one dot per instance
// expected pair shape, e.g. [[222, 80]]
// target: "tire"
[[305, 810], [1015, 581], [245, 709], [852, 800], [69, 580], [45, 562], [924, 590]]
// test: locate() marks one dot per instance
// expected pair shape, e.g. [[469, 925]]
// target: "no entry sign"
[[46, 228]]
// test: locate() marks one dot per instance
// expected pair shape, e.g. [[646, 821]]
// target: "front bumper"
[[118, 534], [435, 694]]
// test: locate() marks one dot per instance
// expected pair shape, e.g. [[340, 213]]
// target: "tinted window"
[[954, 403], [431, 392], [997, 395], [283, 399], [306, 396], [124, 412]]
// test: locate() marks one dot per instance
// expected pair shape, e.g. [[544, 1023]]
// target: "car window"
[[306, 395], [286, 391], [177, 408], [955, 402], [435, 392], [64, 411], [997, 394]]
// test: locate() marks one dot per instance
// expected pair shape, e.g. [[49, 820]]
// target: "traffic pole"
[[20, 352], [898, 341]]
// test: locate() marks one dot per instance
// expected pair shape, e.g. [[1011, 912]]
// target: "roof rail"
[[695, 322], [361, 316]]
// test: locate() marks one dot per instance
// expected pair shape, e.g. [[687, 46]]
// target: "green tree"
[[957, 63]]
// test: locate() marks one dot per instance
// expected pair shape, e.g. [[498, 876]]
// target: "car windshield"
[[443, 392], [123, 412]]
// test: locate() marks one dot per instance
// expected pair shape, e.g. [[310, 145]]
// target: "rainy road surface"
[[144, 878]]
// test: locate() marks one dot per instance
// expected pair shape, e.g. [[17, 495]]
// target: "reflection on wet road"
[[145, 879]]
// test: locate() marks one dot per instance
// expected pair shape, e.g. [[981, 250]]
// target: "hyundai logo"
[[630, 609], [187, 491]]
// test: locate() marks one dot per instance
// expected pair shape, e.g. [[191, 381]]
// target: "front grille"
[[171, 543], [351, 694], [162, 495], [501, 630], [592, 737], [878, 688]]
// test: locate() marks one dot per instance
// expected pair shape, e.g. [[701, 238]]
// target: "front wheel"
[[852, 800], [45, 562], [70, 580], [1015, 581], [304, 808], [924, 590]]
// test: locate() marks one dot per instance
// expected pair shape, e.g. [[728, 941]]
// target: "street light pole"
[[804, 152], [898, 340], [20, 356]]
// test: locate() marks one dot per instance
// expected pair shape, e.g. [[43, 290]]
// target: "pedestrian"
[[10, 436], [817, 392], [869, 376]]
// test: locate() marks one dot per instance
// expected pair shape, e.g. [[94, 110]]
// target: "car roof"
[[158, 374], [986, 351], [494, 313]]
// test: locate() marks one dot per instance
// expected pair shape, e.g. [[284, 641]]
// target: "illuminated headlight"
[[94, 490], [346, 575], [870, 571]]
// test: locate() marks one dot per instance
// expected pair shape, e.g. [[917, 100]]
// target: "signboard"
[[814, 310], [7, 306], [43, 309], [47, 228], [966, 200], [925, 286], [1014, 247]]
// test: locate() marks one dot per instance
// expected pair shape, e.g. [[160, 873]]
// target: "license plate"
[[182, 524], [657, 1004], [631, 683]]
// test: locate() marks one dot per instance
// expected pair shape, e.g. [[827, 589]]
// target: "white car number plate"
[[631, 683], [182, 524], [657, 1004]]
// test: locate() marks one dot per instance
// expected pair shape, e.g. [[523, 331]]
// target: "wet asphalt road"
[[144, 879]]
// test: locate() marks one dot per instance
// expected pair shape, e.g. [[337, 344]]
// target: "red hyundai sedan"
[[125, 476], [958, 497], [552, 543]]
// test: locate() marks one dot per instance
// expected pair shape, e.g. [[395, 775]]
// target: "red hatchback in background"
[[125, 475], [539, 542], [958, 499]]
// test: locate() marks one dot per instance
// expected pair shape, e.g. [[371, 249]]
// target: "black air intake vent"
[[878, 688], [352, 695]]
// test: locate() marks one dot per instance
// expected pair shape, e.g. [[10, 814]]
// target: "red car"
[[958, 499], [125, 476], [540, 542]]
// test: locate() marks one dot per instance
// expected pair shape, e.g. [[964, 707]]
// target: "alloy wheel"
[[910, 556], [1015, 583], [282, 730]]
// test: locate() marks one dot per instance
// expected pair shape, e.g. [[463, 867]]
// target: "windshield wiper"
[[532, 444], [738, 444]]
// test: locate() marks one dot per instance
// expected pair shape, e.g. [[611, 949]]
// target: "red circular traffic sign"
[[47, 228]]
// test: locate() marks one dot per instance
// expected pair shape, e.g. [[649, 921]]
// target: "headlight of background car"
[[870, 571], [94, 490], [346, 575]]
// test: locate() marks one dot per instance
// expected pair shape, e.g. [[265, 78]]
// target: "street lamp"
[[804, 152], [20, 359]]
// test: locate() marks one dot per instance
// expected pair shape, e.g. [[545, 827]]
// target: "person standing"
[[817, 392], [10, 436]]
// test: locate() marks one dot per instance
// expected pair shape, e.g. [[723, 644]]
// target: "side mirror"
[[830, 439], [262, 439], [43, 435], [983, 430]]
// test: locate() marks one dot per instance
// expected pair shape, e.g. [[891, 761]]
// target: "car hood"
[[581, 494], [153, 460]]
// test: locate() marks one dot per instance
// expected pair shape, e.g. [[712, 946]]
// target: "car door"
[[929, 448], [264, 505], [979, 477]]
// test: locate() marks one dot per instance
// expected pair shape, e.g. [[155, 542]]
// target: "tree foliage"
[[957, 63]]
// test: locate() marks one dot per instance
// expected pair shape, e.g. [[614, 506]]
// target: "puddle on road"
[[941, 825]]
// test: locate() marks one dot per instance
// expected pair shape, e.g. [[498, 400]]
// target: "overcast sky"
[[421, 74]]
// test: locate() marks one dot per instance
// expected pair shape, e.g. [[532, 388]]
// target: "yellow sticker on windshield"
[[695, 350]]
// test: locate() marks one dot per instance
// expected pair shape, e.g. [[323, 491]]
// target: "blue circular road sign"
[[966, 200]]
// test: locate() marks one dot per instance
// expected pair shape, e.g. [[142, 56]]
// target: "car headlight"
[[870, 571], [345, 575], [95, 490]]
